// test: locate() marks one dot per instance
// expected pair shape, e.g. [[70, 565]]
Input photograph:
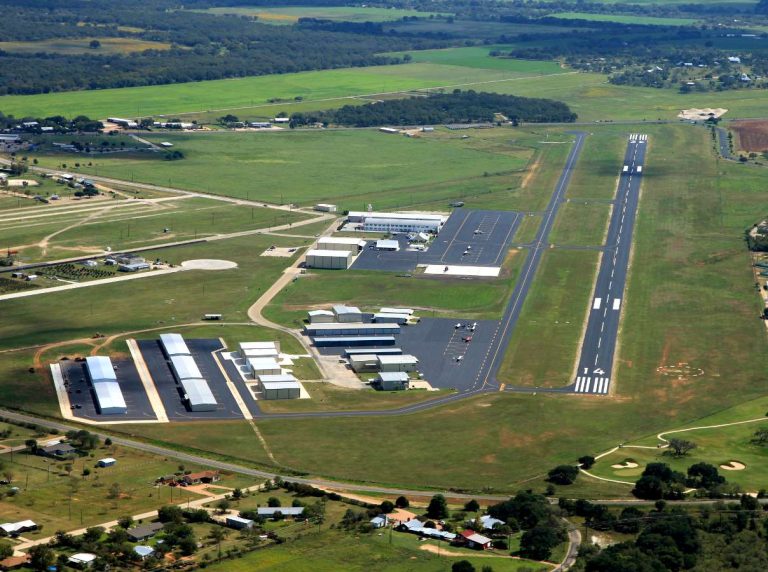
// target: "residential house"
[[144, 531], [203, 477]]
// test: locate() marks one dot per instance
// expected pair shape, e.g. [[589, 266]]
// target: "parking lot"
[[81, 394], [168, 389], [468, 238]]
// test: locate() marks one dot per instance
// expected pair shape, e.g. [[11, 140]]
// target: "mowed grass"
[[351, 168], [580, 224], [624, 19], [291, 14], [543, 347], [229, 94], [479, 57], [76, 46]]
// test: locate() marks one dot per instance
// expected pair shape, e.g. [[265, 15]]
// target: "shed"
[[320, 316], [239, 523], [364, 362], [174, 345], [475, 540], [198, 395], [106, 462], [380, 521], [109, 398], [489, 523], [325, 208], [346, 314], [328, 259], [185, 367], [82, 560], [389, 245], [395, 363], [392, 381], [264, 366], [100, 369], [16, 528]]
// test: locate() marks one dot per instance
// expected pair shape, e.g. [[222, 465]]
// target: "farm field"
[[351, 168], [622, 19], [291, 14], [70, 46], [752, 136], [229, 94]]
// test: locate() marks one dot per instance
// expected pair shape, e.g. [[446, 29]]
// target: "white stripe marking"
[[596, 304], [616, 303]]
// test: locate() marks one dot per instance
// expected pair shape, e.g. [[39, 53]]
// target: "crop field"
[[349, 167], [291, 14], [74, 46], [752, 135], [622, 19], [228, 94]]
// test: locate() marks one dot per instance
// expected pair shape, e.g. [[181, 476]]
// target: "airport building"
[[387, 318], [392, 381], [329, 259], [354, 329], [198, 395], [195, 389], [353, 341], [353, 245], [398, 222], [264, 366], [279, 387], [361, 363], [174, 345], [109, 396], [397, 363], [325, 208], [321, 316], [347, 314]]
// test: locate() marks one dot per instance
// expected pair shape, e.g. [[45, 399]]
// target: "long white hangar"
[[109, 396], [197, 393]]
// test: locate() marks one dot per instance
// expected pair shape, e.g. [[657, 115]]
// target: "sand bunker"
[[701, 114], [208, 264], [733, 466], [625, 465]]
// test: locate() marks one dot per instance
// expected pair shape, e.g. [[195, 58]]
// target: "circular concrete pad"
[[208, 264], [733, 466]]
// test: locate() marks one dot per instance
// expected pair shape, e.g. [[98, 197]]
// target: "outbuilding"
[[325, 208], [392, 381], [269, 511], [16, 528], [144, 552], [328, 259], [320, 316], [239, 523], [82, 560], [346, 314], [106, 462], [397, 363]]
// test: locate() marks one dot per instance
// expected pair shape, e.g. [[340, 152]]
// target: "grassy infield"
[[690, 299]]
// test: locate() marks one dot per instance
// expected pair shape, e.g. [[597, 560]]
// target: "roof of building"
[[396, 311], [11, 527], [364, 357], [174, 344], [52, 448], [390, 316], [239, 519], [398, 359], [489, 522], [258, 363], [319, 313], [261, 353], [272, 378], [285, 510], [435, 533], [414, 216], [107, 460], [109, 395], [380, 520], [203, 475], [198, 392], [472, 536], [185, 367], [353, 339], [144, 551], [393, 244], [331, 253], [257, 345], [393, 376], [343, 309], [352, 326], [276, 385], [82, 558], [341, 240], [414, 222], [413, 524], [145, 530], [100, 368], [371, 351]]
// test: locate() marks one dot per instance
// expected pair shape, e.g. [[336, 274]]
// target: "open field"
[[478, 57], [72, 46], [580, 224], [752, 136], [291, 14], [351, 168], [624, 19], [231, 94]]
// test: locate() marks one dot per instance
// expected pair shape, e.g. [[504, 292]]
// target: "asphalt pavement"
[[595, 368]]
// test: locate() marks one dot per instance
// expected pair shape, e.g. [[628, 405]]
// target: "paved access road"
[[596, 362]]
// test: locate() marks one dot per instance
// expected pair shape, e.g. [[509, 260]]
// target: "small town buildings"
[[353, 245], [81, 560], [239, 523], [16, 528], [269, 511], [320, 316], [392, 381], [328, 259], [144, 531], [144, 552], [279, 387], [347, 314], [397, 363], [326, 208]]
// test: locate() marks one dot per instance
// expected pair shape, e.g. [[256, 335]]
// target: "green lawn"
[[580, 224], [478, 57], [624, 19], [351, 168], [291, 14]]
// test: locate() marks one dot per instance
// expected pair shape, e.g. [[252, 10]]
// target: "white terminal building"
[[398, 222]]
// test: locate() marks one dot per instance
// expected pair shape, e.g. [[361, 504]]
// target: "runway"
[[595, 369]]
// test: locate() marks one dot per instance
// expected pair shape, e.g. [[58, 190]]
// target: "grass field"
[[291, 14], [74, 46], [581, 224], [351, 168], [478, 57], [624, 19]]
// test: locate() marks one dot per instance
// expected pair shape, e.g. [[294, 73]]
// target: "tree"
[[31, 444], [462, 566], [273, 502], [586, 461], [402, 502], [107, 442], [125, 522], [760, 437], [704, 476], [625, 557], [680, 447], [41, 557], [472, 506], [170, 514], [6, 550], [563, 474], [438, 507], [537, 543], [387, 506], [217, 534], [629, 520], [94, 44]]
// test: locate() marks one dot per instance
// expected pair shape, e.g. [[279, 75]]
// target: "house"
[[57, 451], [144, 552], [380, 521], [81, 560], [14, 562], [269, 511], [413, 525], [489, 523], [239, 523], [205, 477], [475, 540], [144, 531], [16, 528], [106, 462]]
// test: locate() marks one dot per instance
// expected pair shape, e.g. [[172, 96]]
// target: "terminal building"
[[398, 222], [109, 396]]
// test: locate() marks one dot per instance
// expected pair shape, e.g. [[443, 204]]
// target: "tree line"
[[457, 107]]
